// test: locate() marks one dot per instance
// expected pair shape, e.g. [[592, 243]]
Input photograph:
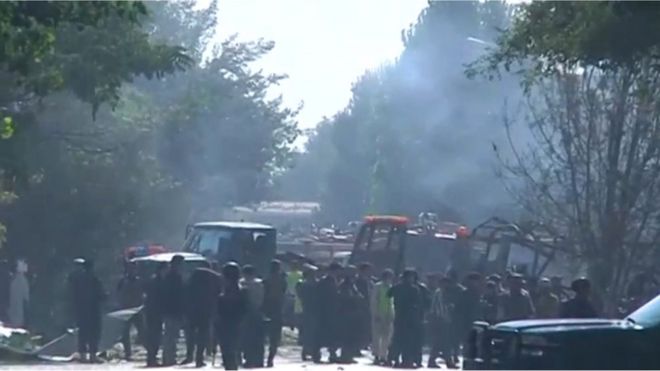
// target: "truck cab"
[[242, 242], [577, 344]]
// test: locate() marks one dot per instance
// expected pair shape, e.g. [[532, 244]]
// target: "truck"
[[389, 241], [242, 242], [577, 344]]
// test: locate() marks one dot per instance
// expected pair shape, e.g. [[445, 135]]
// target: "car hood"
[[554, 325]]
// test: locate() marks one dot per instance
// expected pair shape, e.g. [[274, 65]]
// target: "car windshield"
[[648, 315]]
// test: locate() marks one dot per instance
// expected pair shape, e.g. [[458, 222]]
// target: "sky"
[[323, 45]]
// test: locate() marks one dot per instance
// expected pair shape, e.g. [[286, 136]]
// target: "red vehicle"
[[391, 242]]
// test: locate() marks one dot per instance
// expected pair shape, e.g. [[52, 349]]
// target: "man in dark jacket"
[[364, 284], [153, 313], [203, 288], [469, 305], [252, 329], [453, 294], [275, 287], [327, 296], [306, 291], [350, 313], [173, 309], [87, 294], [232, 306], [129, 292], [407, 322], [425, 305], [580, 306]]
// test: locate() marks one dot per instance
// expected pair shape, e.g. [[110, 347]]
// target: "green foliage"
[[89, 48], [548, 34], [164, 153], [7, 128], [416, 135]]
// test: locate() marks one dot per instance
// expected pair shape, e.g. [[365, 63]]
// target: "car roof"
[[166, 257], [234, 225]]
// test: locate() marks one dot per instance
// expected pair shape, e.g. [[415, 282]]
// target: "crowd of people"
[[343, 310]]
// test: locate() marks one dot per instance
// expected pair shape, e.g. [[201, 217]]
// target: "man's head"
[[130, 268], [351, 271], [88, 265], [364, 270], [275, 267], [452, 275], [78, 264], [495, 278], [176, 263], [555, 281], [309, 272], [581, 287], [334, 269], [387, 276], [231, 272], [544, 285], [473, 281], [491, 288], [409, 276], [516, 282], [249, 272]]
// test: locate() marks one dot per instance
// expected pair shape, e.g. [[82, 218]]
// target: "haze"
[[321, 59]]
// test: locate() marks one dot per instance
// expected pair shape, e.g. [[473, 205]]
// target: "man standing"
[[306, 292], [232, 305], [407, 325], [425, 305], [469, 305], [292, 278], [274, 294], [516, 304], [19, 295], [173, 309], [547, 304], [153, 311], [454, 291], [253, 324], [203, 289], [382, 315], [490, 303], [349, 317], [88, 295], [5, 280], [440, 322], [580, 306], [328, 300], [129, 292], [558, 289], [364, 285]]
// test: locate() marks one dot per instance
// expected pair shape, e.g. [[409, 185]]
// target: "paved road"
[[287, 360]]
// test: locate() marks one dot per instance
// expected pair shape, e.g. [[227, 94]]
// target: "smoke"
[[441, 126]]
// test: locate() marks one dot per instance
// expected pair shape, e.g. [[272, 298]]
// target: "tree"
[[416, 134], [89, 48], [155, 159], [592, 171]]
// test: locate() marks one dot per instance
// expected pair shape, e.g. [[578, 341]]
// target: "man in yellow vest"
[[382, 316]]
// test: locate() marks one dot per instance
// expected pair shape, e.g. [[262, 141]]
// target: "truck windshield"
[[648, 315]]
